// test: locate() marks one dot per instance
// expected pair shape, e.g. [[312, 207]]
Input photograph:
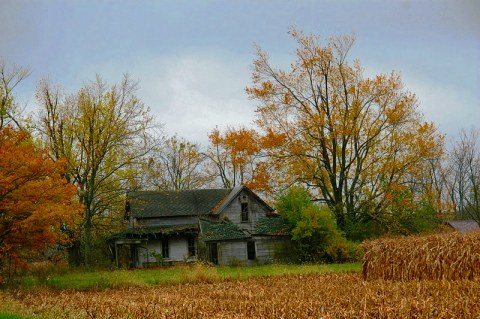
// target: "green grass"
[[4, 315], [81, 280]]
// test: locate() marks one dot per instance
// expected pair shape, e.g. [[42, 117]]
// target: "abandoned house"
[[222, 226]]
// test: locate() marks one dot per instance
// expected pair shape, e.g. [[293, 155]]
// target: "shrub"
[[313, 228]]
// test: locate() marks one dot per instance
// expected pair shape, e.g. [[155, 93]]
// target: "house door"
[[213, 253]]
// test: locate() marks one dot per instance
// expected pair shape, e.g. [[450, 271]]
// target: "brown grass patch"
[[301, 296]]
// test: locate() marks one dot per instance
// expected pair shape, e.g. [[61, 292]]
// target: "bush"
[[314, 231]]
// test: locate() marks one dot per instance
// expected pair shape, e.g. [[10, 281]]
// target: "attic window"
[[244, 199], [244, 214]]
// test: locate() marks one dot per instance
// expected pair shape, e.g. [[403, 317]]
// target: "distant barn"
[[463, 225]]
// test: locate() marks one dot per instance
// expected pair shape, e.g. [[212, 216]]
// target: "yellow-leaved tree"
[[104, 133], [238, 157], [359, 144]]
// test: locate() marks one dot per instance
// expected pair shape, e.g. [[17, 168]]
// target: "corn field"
[[449, 256], [340, 295]]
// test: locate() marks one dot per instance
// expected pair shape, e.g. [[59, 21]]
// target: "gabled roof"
[[148, 204], [224, 230], [198, 202], [233, 194]]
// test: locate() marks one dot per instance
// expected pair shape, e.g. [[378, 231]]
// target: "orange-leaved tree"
[[354, 141], [36, 201], [237, 157]]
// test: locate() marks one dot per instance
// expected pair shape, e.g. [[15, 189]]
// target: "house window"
[[212, 253], [165, 250], [251, 251], [191, 246], [244, 217]]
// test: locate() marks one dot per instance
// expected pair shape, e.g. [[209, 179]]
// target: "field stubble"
[[342, 295]]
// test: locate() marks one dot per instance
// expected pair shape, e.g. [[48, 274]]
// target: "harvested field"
[[301, 296], [448, 256]]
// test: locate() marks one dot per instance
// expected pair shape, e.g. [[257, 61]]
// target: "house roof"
[[154, 230], [233, 194], [224, 230], [273, 226], [463, 225], [147, 204], [198, 202]]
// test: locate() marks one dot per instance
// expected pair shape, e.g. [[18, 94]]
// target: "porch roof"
[[224, 230], [155, 230]]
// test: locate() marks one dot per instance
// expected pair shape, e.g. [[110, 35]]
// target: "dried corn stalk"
[[449, 256]]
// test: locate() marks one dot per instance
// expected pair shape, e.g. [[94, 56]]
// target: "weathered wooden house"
[[222, 226]]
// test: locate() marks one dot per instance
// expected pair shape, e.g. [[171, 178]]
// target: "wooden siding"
[[234, 211], [178, 250], [230, 252], [268, 248]]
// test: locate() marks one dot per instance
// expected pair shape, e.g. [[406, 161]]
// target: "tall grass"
[[196, 273]]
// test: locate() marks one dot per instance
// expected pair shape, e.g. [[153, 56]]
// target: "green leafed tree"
[[313, 228]]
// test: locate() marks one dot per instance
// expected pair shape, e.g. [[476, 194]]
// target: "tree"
[[464, 175], [177, 165], [313, 228], [237, 157], [353, 141], [104, 133], [36, 202], [9, 79]]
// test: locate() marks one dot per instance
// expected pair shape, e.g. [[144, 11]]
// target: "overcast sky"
[[193, 58]]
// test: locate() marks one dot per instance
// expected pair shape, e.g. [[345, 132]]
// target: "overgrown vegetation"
[[196, 273], [359, 145], [314, 231]]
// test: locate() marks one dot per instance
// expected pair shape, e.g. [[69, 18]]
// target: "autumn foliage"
[[238, 157], [35, 200], [356, 142]]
